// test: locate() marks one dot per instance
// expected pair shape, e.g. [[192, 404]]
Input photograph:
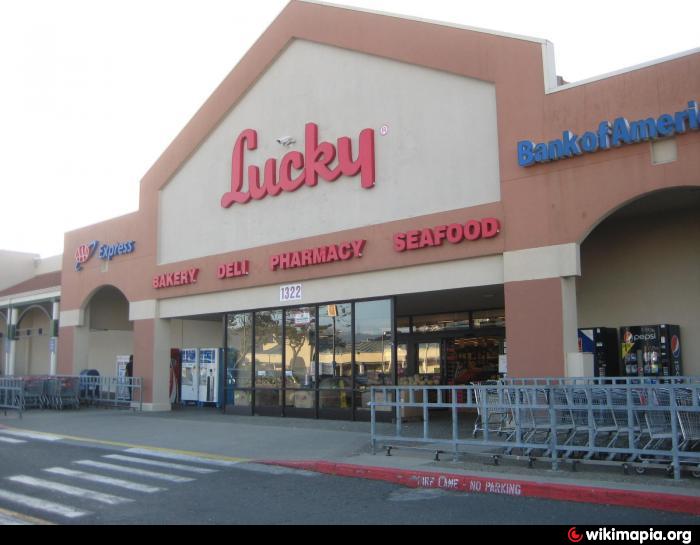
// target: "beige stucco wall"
[[32, 352], [645, 270], [109, 310], [104, 347], [441, 152], [196, 334], [49, 264], [16, 267]]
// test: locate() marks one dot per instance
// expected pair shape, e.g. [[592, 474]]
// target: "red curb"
[[485, 485]]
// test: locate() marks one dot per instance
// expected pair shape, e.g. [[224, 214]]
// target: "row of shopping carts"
[[50, 392], [638, 425]]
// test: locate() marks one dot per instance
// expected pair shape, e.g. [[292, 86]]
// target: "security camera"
[[286, 141]]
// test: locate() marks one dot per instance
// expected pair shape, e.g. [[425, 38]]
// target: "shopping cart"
[[63, 392], [494, 411], [33, 392], [688, 401]]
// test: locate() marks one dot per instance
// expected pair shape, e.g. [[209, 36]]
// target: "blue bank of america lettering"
[[609, 135]]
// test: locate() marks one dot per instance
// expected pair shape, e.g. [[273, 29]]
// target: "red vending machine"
[[175, 374]]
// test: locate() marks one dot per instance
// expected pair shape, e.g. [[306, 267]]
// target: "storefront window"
[[239, 364], [489, 318], [268, 357], [373, 343], [429, 359], [335, 355], [441, 322], [403, 324], [300, 357], [373, 349]]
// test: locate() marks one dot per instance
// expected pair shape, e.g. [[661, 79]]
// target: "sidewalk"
[[343, 448]]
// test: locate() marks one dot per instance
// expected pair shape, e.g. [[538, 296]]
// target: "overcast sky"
[[92, 92]]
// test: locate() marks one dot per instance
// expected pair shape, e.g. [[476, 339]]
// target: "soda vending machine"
[[209, 375], [602, 343], [190, 375], [651, 351]]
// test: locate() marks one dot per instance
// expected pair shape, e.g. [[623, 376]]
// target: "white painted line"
[[11, 441], [275, 470], [93, 477], [42, 505], [134, 471], [32, 435], [12, 521], [158, 463], [84, 493], [184, 457]]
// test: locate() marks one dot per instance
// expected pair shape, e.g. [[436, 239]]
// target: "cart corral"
[[636, 424], [66, 392]]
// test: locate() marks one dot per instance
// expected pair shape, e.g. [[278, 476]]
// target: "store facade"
[[347, 211]]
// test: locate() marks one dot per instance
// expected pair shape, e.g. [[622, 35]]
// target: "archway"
[[33, 339], [641, 266], [107, 331]]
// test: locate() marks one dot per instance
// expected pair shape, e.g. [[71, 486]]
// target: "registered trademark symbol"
[[384, 130]]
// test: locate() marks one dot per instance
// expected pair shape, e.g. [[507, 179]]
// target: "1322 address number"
[[290, 293]]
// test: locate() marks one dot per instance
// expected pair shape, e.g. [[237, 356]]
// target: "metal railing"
[[112, 391], [60, 392], [590, 381], [11, 395], [636, 426]]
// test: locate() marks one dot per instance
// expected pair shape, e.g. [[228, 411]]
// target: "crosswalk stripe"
[[93, 477], [158, 463], [32, 435], [184, 457], [275, 470], [42, 505], [84, 493], [12, 521], [11, 441], [135, 471]]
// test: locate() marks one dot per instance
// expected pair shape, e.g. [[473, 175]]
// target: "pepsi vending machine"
[[651, 351], [189, 386], [602, 343], [209, 375]]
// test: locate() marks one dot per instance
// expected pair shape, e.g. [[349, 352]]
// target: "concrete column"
[[541, 310], [53, 343], [12, 355], [152, 354], [74, 342]]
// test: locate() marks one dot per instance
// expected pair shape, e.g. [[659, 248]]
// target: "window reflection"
[[441, 322], [403, 324], [300, 357], [490, 318], [429, 359], [268, 356], [335, 355], [239, 363], [373, 348]]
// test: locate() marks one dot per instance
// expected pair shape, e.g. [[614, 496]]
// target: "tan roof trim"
[[43, 281], [429, 21]]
